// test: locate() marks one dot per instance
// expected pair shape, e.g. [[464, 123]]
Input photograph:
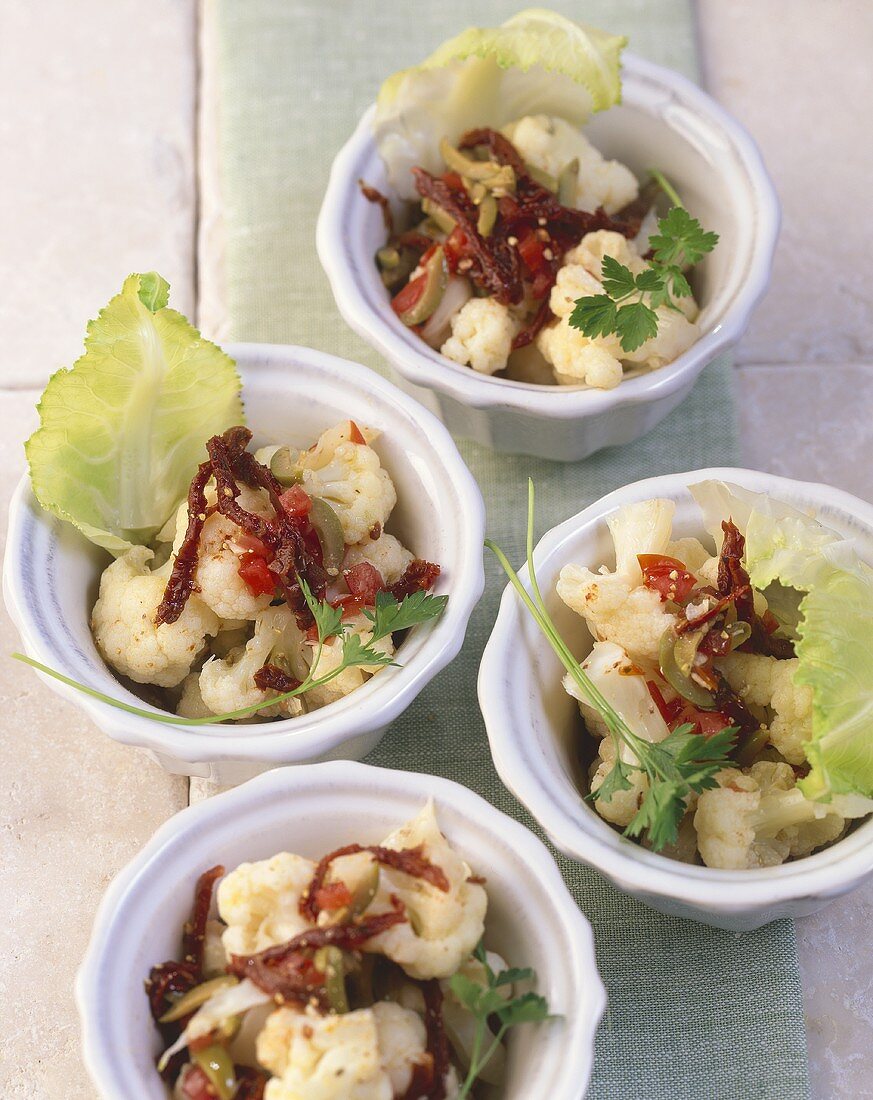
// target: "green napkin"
[[694, 1013]]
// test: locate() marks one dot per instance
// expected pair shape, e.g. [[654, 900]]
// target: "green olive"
[[542, 178], [445, 222], [284, 468], [327, 526], [487, 216], [467, 166], [567, 183], [196, 997], [217, 1064], [673, 665], [436, 276], [331, 963]]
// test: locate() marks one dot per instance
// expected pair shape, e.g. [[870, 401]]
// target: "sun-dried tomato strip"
[[529, 333], [181, 583], [194, 935], [411, 861], [418, 575], [498, 145], [272, 678], [224, 452], [372, 194], [633, 214], [286, 971], [174, 977], [732, 706], [685, 625], [498, 268], [732, 577]]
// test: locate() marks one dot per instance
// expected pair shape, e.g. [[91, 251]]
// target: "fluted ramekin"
[[51, 573], [534, 726], [532, 919], [664, 121]]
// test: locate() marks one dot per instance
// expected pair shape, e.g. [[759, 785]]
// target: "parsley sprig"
[[490, 1000], [682, 764], [628, 303], [387, 616]]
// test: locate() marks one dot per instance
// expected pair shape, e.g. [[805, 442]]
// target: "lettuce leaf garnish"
[[834, 633], [122, 431], [537, 62]]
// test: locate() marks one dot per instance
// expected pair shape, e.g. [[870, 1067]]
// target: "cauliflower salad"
[[219, 612], [515, 247], [735, 644], [361, 976]]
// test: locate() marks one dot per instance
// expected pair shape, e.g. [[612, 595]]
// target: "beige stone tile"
[[797, 73], [809, 421], [97, 140], [74, 808], [838, 996]]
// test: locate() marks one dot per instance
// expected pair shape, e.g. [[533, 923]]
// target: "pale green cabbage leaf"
[[122, 431], [834, 633], [537, 62]]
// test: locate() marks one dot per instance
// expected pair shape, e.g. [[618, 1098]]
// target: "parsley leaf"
[[388, 616], [492, 998], [635, 323], [682, 764], [594, 315], [681, 241], [328, 620], [618, 280]]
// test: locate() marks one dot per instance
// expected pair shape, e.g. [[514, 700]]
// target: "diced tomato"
[[453, 180], [364, 581], [532, 251], [457, 247], [408, 297], [355, 433], [669, 711], [296, 502], [542, 283], [196, 1086], [334, 895], [258, 578], [245, 541], [667, 576], [679, 712]]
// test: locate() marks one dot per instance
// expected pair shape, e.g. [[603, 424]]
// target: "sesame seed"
[[541, 221], [512, 240], [549, 255]]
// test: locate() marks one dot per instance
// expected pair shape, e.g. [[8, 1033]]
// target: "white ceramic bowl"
[[51, 572], [534, 726], [532, 919], [664, 121]]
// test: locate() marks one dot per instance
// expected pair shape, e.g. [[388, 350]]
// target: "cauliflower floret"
[[576, 360], [229, 684], [123, 623], [350, 477], [191, 703], [217, 574], [386, 553], [691, 552], [482, 333], [621, 808], [758, 818], [570, 353], [448, 924], [368, 1054], [767, 682], [633, 618], [331, 657], [550, 144], [615, 676], [259, 903]]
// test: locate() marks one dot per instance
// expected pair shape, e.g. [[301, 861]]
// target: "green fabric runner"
[[694, 1013]]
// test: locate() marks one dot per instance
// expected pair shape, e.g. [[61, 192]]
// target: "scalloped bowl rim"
[[587, 838], [427, 368]]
